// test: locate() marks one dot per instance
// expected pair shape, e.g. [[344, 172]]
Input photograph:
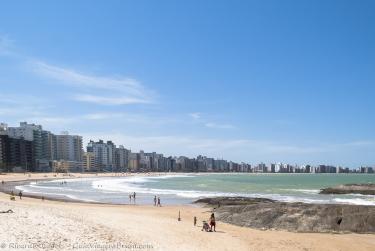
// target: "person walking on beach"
[[130, 198], [213, 222], [134, 197], [20, 194], [159, 204], [155, 200], [195, 221]]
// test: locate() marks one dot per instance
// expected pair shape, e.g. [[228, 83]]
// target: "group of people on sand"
[[12, 195], [157, 201], [208, 227]]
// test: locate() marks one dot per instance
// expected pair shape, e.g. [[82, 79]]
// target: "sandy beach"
[[56, 225]]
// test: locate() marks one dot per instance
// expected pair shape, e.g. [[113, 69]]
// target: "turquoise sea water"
[[185, 188]]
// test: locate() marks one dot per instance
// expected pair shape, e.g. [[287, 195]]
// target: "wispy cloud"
[[105, 90], [21, 105], [101, 116], [219, 126], [122, 90], [97, 118], [198, 118], [72, 77], [360, 143], [110, 100], [53, 121], [195, 115]]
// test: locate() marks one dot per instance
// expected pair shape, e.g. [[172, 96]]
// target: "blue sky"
[[272, 81]]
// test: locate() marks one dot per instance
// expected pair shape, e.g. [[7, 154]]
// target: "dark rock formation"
[[366, 189], [297, 217]]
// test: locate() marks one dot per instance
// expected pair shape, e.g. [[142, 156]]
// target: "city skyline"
[[29, 147], [245, 82]]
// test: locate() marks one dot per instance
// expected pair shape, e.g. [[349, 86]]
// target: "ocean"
[[186, 188]]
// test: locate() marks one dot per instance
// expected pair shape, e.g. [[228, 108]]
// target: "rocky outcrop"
[[366, 189], [297, 217]]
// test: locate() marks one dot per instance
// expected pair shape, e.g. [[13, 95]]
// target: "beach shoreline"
[[69, 226], [13, 181], [175, 193]]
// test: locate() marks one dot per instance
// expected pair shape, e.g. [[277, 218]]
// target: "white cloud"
[[100, 116], [122, 90], [73, 77], [202, 121], [195, 115], [114, 90], [106, 100], [219, 126], [20, 105], [53, 121], [122, 117], [360, 143], [72, 122]]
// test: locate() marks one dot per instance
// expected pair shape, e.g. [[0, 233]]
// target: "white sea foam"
[[356, 201], [170, 176], [68, 180], [129, 184], [44, 186], [307, 191], [70, 196]]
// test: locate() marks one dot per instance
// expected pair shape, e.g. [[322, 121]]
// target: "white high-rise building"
[[25, 131], [44, 143], [278, 167], [104, 154], [69, 147]]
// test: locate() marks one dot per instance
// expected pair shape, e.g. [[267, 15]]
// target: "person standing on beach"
[[155, 200], [134, 197], [130, 198], [213, 222], [159, 204], [195, 221], [20, 194]]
